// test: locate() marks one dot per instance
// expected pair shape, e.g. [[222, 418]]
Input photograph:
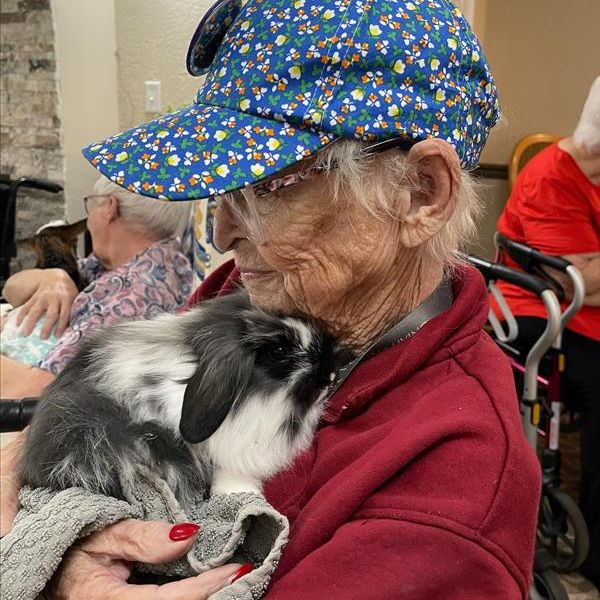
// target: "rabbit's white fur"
[[225, 394]]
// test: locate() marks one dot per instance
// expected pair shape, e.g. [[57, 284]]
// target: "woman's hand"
[[53, 296], [98, 567], [9, 482]]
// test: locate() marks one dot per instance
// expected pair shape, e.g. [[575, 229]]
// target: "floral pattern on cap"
[[293, 75]]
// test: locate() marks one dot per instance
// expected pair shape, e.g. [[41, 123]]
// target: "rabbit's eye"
[[277, 354]]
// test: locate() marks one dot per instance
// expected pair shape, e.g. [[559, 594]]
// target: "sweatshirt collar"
[[436, 339], [433, 341]]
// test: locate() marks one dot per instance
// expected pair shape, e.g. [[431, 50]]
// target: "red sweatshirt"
[[419, 484]]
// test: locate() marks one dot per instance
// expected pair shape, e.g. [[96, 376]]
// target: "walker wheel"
[[562, 529], [547, 586]]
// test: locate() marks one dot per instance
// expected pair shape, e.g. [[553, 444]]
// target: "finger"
[[49, 321], [29, 314], [143, 541], [63, 319], [10, 484], [82, 576], [23, 310], [33, 316], [193, 588], [200, 587]]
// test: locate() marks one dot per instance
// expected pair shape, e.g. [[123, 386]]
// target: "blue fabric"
[[292, 76], [30, 349]]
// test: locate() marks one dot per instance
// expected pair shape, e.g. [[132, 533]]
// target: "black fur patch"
[[84, 435]]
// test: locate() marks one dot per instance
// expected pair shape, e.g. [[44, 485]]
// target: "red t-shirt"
[[555, 208]]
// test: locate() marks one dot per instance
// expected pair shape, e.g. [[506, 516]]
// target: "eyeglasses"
[[251, 205], [86, 200], [267, 187]]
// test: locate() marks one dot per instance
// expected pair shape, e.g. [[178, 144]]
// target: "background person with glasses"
[[137, 269], [419, 484]]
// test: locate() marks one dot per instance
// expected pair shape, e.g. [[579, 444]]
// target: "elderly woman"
[[333, 136], [136, 270], [555, 207]]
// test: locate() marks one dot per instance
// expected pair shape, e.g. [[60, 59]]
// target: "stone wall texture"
[[30, 126]]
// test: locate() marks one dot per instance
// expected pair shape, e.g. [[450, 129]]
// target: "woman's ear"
[[437, 170], [112, 208]]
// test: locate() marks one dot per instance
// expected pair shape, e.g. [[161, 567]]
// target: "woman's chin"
[[267, 291]]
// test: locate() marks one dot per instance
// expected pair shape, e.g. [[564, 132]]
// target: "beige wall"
[[544, 55], [474, 11], [152, 41], [87, 83]]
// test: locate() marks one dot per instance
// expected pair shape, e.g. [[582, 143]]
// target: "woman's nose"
[[226, 229]]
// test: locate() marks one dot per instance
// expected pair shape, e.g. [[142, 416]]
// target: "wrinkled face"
[[314, 255]]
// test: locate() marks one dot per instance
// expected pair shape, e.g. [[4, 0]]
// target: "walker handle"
[[528, 257], [492, 271], [532, 259]]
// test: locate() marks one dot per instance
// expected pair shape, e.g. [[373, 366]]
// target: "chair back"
[[525, 149]]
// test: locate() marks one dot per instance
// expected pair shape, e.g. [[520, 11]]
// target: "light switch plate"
[[153, 96]]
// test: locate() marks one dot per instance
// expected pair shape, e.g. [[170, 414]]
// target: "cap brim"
[[201, 151]]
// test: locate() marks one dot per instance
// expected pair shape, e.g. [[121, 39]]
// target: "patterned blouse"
[[156, 280]]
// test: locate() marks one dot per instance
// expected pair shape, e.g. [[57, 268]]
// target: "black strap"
[[438, 302]]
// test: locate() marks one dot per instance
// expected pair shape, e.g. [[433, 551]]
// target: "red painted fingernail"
[[244, 570], [182, 531]]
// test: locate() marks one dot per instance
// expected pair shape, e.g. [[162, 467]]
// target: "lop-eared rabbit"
[[226, 394]]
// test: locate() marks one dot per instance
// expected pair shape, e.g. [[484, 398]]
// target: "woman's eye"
[[267, 203]]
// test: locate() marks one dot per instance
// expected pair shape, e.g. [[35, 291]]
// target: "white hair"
[[587, 133], [375, 181], [157, 218]]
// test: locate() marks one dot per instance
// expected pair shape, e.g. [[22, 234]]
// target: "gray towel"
[[240, 527]]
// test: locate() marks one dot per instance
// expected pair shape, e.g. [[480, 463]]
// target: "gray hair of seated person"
[[587, 132], [157, 218], [373, 181]]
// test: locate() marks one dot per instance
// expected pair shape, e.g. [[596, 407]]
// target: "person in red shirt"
[[555, 207], [336, 139]]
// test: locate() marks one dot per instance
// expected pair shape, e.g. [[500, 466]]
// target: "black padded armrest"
[[528, 257], [38, 184], [16, 414], [493, 271]]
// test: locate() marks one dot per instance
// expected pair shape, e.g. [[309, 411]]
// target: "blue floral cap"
[[291, 76]]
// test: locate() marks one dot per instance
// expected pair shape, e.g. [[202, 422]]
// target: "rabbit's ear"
[[208, 398]]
